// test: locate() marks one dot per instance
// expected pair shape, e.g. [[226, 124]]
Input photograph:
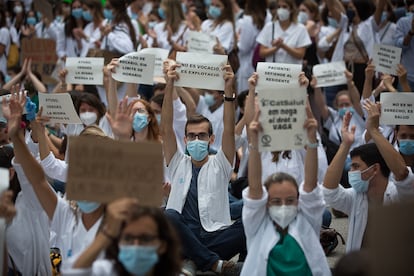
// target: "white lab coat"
[[213, 179], [355, 205], [262, 236]]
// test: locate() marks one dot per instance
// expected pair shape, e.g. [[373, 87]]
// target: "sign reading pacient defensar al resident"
[[135, 68], [282, 115], [397, 108], [276, 75], [204, 71], [200, 42], [85, 70], [330, 74], [160, 56], [59, 108], [386, 58]]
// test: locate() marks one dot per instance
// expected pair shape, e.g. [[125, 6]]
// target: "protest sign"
[[102, 170], [59, 108], [390, 256], [42, 52], [201, 70], [135, 68], [330, 74], [85, 70], [276, 75], [397, 108], [386, 58], [45, 8], [200, 42], [160, 56], [282, 115]]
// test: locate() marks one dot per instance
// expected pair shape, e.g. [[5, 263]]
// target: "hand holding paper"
[[253, 81], [372, 123], [303, 80]]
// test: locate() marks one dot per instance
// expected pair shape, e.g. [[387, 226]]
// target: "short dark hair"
[[365, 8], [91, 100], [278, 178], [370, 154], [197, 119], [158, 99]]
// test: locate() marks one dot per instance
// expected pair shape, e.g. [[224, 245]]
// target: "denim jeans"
[[206, 248]]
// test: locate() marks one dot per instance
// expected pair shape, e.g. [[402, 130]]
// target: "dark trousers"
[[206, 248]]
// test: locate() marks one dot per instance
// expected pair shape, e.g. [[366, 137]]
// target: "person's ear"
[[162, 248], [212, 138], [12, 172]]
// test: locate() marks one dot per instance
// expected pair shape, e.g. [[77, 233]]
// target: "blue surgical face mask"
[[158, 116], [140, 122], [207, 3], [88, 207], [87, 16], [138, 260], [342, 111], [406, 146], [356, 181], [39, 14], [209, 99], [184, 7], [214, 12], [58, 18], [332, 22], [151, 24], [384, 16], [31, 21], [198, 149], [108, 14], [77, 13], [7, 78], [161, 13]]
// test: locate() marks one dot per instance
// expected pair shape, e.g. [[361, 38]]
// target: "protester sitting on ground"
[[198, 205], [282, 220], [369, 177], [137, 241], [72, 230]]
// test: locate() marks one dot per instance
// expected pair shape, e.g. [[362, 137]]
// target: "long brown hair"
[[174, 14], [226, 14], [153, 128], [257, 10], [121, 15]]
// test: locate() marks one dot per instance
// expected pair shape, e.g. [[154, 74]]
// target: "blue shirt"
[[190, 211]]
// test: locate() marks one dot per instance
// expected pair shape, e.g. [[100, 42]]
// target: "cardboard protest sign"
[[201, 70], [102, 170], [390, 239], [135, 68], [386, 58], [330, 74], [276, 75], [160, 56], [397, 108], [200, 42], [43, 54], [59, 108], [282, 115], [45, 8], [85, 70]]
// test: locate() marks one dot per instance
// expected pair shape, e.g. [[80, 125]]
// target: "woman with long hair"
[[92, 14]]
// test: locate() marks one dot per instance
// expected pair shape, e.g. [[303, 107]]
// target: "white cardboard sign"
[[204, 71], [59, 108], [277, 75], [282, 115], [397, 108], [85, 70], [386, 58], [330, 74], [135, 68], [160, 56], [200, 42]]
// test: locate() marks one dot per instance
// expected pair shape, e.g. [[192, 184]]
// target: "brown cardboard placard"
[[390, 240], [103, 170], [43, 54]]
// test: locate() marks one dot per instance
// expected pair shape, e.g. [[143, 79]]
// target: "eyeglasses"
[[286, 201], [142, 239], [201, 136]]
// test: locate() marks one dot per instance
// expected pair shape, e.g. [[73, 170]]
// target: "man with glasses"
[[198, 205]]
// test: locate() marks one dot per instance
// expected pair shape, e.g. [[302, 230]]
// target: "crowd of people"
[[228, 208]]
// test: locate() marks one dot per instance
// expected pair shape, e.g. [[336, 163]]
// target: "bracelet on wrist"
[[230, 99], [313, 145], [252, 147]]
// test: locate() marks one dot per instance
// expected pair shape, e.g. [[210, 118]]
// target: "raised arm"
[[334, 171], [320, 99], [187, 99], [336, 8], [369, 75], [311, 159], [31, 167], [354, 93], [392, 158], [38, 85], [255, 161], [228, 143], [110, 87], [17, 78], [250, 99], [167, 131]]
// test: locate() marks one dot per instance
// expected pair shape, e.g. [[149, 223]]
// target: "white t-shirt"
[[162, 35], [4, 40], [295, 36], [93, 35], [224, 32]]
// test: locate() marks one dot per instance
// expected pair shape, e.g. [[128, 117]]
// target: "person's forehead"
[[142, 225], [404, 129], [356, 160], [282, 190], [198, 127], [138, 105]]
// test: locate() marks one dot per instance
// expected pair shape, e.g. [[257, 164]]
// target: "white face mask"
[[88, 118], [283, 215], [303, 17], [18, 9], [283, 14]]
